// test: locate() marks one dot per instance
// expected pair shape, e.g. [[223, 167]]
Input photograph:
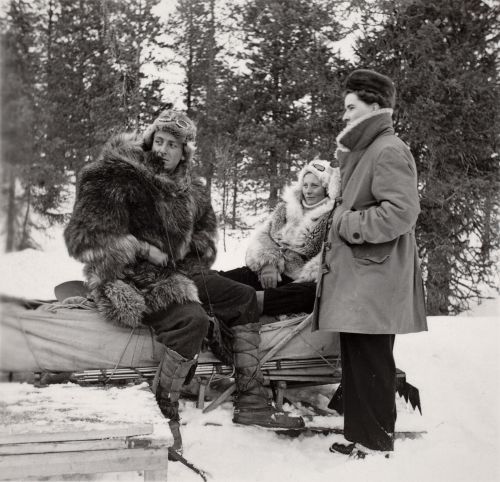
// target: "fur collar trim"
[[127, 149], [295, 213]]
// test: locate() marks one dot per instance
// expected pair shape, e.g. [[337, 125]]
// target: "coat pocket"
[[371, 253]]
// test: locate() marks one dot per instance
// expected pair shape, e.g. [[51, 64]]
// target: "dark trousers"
[[182, 327], [369, 389], [287, 297]]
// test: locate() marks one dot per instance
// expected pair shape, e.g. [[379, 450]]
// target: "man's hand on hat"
[[269, 276]]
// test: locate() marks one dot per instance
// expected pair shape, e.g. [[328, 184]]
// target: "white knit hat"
[[320, 168], [328, 176]]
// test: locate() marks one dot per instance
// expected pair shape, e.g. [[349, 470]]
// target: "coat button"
[[356, 235]]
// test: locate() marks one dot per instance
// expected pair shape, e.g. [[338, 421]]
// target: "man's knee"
[[244, 294], [183, 328], [199, 321], [183, 318], [193, 317]]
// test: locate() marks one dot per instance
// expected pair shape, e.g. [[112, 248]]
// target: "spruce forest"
[[263, 81]]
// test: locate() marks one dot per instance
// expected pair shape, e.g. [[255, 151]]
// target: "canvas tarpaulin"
[[55, 338]]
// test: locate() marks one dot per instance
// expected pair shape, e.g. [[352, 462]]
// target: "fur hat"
[[174, 122], [320, 168], [374, 83]]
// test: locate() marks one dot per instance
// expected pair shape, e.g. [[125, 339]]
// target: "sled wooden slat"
[[20, 438], [15, 467], [68, 446], [123, 442], [319, 380]]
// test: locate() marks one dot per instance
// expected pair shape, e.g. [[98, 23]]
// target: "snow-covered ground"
[[456, 366]]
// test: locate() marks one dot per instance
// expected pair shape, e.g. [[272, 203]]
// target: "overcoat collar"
[[355, 138], [292, 197], [363, 131]]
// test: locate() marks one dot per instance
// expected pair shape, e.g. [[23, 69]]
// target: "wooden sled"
[[58, 342]]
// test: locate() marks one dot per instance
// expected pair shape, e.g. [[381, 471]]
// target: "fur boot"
[[253, 405], [169, 379]]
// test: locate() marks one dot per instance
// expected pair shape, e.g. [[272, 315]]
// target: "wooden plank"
[[317, 371], [280, 392], [155, 475], [220, 399], [73, 446], [201, 393], [82, 445], [12, 438], [324, 380], [86, 462]]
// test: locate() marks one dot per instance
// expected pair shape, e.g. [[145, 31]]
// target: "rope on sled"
[[76, 302], [113, 371], [73, 302], [331, 365]]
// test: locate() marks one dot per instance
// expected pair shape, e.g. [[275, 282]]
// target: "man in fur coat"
[[147, 234]]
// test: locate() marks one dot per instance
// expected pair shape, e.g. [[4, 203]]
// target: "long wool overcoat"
[[370, 281], [125, 203]]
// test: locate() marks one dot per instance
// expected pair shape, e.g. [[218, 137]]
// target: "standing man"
[[371, 286], [147, 234]]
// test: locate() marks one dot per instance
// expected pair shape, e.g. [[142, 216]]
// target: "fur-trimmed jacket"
[[124, 203], [291, 237]]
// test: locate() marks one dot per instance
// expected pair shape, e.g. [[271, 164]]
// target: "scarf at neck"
[[364, 130], [309, 207]]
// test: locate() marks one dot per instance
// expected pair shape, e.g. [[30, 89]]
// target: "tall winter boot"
[[168, 381], [253, 405]]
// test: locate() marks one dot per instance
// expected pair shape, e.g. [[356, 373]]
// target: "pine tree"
[[442, 58], [289, 69], [73, 74], [195, 28], [21, 132]]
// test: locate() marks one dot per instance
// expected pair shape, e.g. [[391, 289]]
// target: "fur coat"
[[124, 203], [291, 237]]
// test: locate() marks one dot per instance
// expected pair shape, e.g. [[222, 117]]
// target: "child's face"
[[169, 148]]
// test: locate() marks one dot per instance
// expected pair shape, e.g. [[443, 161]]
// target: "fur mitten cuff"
[[120, 303]]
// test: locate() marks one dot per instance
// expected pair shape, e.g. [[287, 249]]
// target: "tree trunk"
[[190, 62], [438, 284], [273, 179], [224, 204], [209, 174], [50, 27], [25, 232], [235, 199], [210, 99], [10, 222], [486, 242]]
